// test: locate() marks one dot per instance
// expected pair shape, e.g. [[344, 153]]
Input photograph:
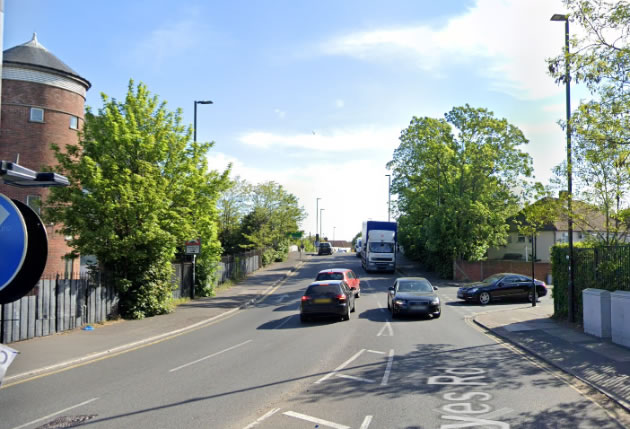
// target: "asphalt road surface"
[[262, 368]]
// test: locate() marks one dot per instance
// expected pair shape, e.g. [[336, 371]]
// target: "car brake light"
[[341, 297], [305, 298]]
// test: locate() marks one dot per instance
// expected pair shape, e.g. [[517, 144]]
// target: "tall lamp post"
[[389, 196], [192, 292], [320, 223], [195, 123], [334, 228], [567, 80], [317, 215]]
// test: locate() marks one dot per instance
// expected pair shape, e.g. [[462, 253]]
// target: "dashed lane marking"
[[209, 356], [56, 413], [388, 369], [261, 418], [315, 420], [366, 422]]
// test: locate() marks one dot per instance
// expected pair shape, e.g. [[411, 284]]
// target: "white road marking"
[[351, 377], [376, 351], [54, 414], [497, 413], [388, 369], [281, 298], [387, 326], [315, 420], [340, 367], [366, 422], [210, 356], [284, 322], [261, 418]]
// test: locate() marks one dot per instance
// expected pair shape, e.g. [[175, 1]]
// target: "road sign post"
[[193, 247]]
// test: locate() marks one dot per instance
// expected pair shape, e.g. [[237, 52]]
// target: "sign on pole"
[[193, 247], [13, 241]]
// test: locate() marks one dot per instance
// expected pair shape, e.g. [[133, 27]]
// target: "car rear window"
[[323, 290], [329, 276]]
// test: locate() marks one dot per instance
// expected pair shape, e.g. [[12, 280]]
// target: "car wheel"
[[484, 298], [303, 318], [394, 313], [358, 294], [389, 307], [347, 315], [354, 306]]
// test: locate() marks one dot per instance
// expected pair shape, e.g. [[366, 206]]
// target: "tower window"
[[74, 122], [37, 114], [34, 202]]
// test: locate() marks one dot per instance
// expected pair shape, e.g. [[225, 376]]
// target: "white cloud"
[[335, 141], [346, 205], [505, 40]]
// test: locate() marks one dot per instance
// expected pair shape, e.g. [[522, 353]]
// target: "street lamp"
[[195, 123], [334, 227], [316, 215], [567, 80], [389, 196], [320, 223]]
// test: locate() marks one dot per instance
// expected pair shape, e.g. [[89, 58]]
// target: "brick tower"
[[43, 102]]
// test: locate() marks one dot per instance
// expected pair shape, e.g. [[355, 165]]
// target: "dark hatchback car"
[[413, 295], [502, 287], [324, 249], [332, 298]]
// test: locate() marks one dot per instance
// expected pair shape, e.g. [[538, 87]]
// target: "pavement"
[[599, 363]]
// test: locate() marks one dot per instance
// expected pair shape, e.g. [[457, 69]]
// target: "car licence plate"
[[322, 301]]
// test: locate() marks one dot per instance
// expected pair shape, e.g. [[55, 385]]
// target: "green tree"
[[600, 128], [139, 187], [275, 213], [233, 206], [456, 179]]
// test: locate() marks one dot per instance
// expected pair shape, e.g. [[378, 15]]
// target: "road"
[[261, 368]]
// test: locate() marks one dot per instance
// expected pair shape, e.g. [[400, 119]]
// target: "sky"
[[314, 94]]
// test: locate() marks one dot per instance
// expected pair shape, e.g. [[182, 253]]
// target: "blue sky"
[[313, 95]]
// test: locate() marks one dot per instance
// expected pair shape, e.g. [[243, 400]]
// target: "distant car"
[[357, 247], [502, 286], [413, 295], [325, 249], [331, 298], [345, 274]]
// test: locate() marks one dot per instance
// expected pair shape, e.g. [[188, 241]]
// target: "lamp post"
[[195, 123], [567, 81], [389, 196], [192, 291], [317, 216], [320, 223], [334, 227]]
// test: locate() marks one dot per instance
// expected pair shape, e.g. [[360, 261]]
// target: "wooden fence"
[[56, 305]]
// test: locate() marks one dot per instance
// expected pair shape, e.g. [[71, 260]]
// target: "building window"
[[521, 239], [34, 202], [69, 268], [74, 122], [37, 114]]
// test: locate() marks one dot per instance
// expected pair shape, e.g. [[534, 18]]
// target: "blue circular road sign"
[[13, 241]]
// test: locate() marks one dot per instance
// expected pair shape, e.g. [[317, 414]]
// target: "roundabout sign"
[[13, 241]]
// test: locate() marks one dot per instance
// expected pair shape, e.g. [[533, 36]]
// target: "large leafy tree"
[[457, 180], [600, 58], [275, 213], [139, 187], [234, 204]]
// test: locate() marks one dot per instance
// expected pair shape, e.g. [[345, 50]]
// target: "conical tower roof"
[[33, 54]]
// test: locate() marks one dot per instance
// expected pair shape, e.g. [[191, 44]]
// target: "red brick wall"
[[32, 140], [476, 271]]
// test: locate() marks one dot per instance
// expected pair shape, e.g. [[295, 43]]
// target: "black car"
[[502, 286], [324, 249], [413, 295], [332, 298]]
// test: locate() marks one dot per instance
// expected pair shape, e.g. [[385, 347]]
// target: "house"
[[588, 222]]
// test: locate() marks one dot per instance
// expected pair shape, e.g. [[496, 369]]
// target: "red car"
[[344, 274]]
